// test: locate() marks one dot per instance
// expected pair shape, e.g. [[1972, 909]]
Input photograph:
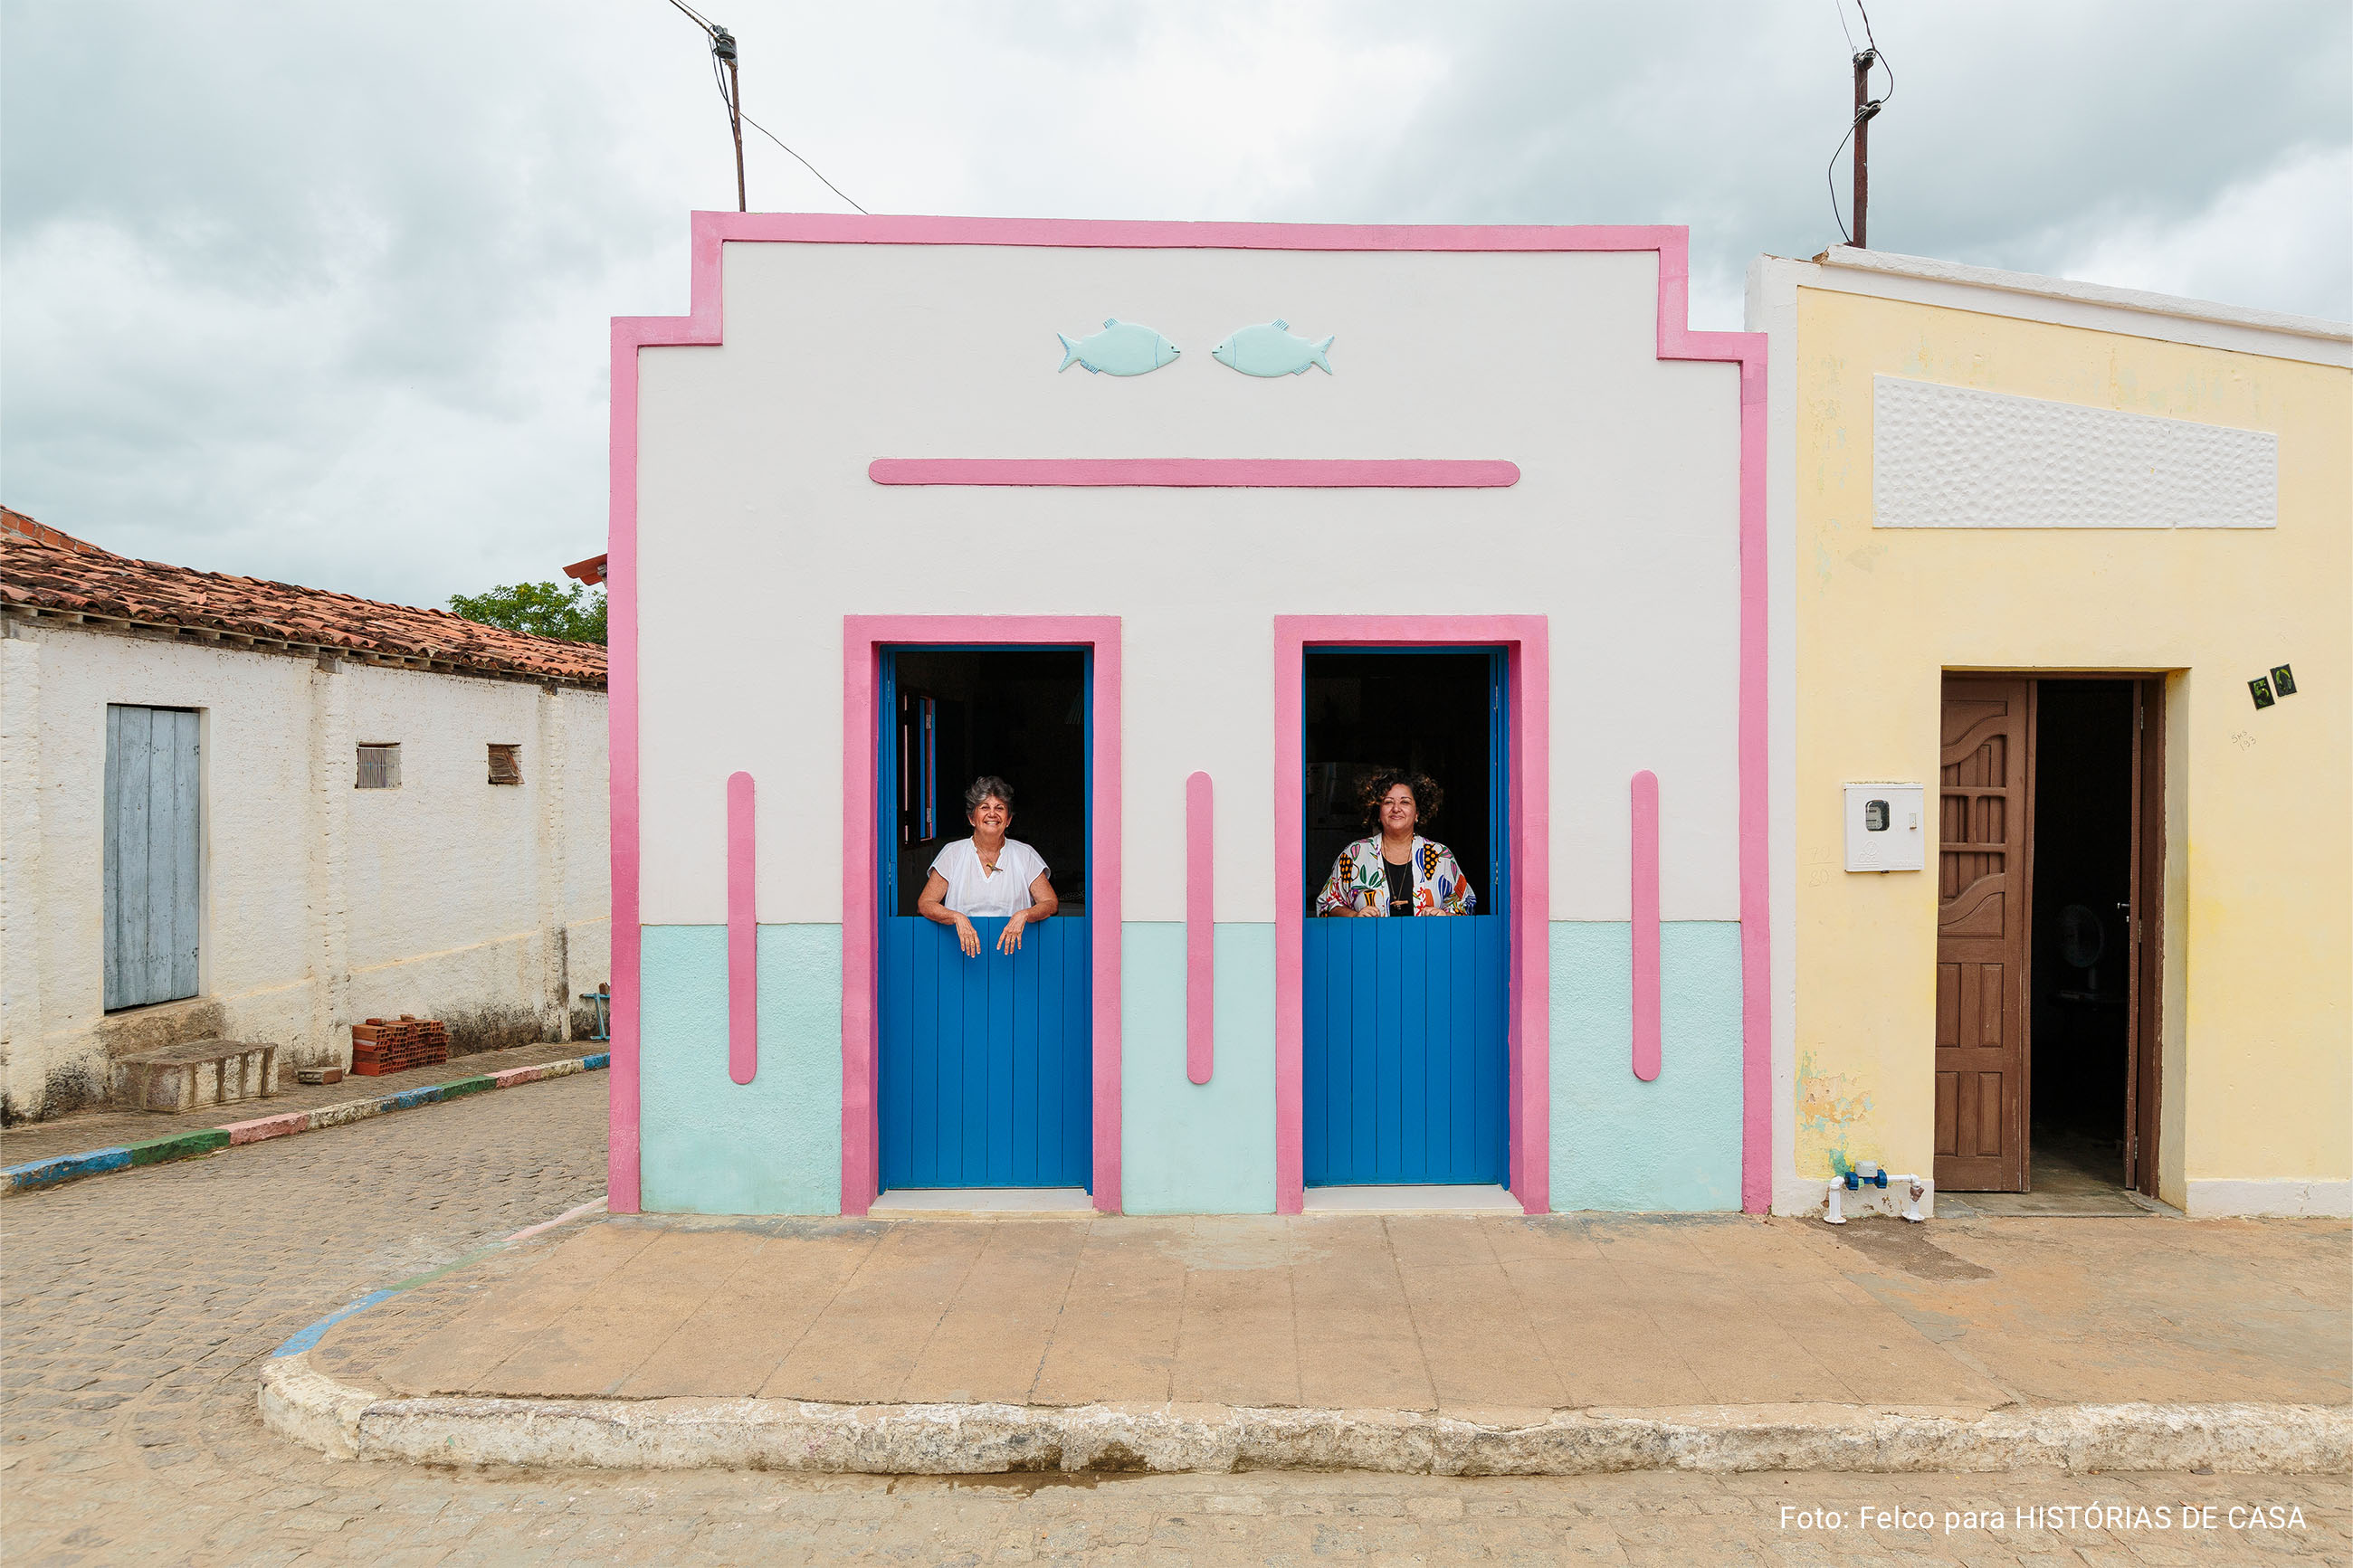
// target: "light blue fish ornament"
[[1122, 348], [1270, 350]]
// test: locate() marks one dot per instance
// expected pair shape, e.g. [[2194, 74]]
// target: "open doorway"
[[2079, 1035], [2050, 868], [1430, 713], [1405, 1022], [1015, 714], [985, 1058]]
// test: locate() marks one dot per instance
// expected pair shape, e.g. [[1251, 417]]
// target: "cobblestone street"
[[138, 1308]]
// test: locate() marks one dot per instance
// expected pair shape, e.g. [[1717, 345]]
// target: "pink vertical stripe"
[[743, 934], [1646, 925], [1201, 929]]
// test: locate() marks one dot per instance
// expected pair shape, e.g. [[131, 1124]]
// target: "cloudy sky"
[[318, 291]]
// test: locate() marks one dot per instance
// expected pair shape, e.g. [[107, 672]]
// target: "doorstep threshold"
[[1410, 1200], [983, 1200]]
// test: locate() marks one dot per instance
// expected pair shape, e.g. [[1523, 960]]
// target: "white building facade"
[[184, 833]]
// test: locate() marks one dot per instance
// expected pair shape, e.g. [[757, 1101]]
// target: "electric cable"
[[804, 163]]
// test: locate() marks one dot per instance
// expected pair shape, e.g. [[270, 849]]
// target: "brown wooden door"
[[1983, 900]]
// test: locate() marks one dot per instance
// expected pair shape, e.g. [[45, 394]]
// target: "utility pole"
[[1865, 107], [731, 87], [722, 45]]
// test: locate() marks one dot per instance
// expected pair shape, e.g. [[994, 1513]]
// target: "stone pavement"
[[29, 1140], [135, 1313]]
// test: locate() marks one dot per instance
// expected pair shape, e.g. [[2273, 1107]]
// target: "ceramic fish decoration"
[[1270, 350], [1122, 348]]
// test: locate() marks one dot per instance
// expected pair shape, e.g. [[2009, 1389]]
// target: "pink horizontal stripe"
[[1201, 929], [1193, 473], [267, 1127], [513, 1076]]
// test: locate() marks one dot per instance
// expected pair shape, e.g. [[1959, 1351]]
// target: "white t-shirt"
[[975, 892]]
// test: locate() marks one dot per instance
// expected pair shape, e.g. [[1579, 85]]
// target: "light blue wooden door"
[[154, 834], [987, 1080], [1405, 1046]]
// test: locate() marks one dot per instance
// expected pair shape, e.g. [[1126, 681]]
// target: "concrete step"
[[195, 1075]]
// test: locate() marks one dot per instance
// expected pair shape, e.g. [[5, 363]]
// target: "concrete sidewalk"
[[1006, 1336]]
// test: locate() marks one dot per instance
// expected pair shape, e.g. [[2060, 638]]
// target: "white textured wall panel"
[[1954, 457]]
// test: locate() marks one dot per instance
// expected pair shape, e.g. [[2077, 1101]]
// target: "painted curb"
[[178, 1145], [305, 1405], [59, 1168]]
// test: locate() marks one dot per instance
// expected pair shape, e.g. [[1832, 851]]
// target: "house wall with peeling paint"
[[487, 906]]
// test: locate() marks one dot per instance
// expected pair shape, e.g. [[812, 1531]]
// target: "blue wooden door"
[[1405, 1043], [1406, 1027], [987, 1080], [153, 837], [986, 1069]]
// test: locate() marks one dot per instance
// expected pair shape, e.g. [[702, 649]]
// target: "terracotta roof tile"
[[40, 566]]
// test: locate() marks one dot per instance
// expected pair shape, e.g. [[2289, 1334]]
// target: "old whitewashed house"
[[243, 810]]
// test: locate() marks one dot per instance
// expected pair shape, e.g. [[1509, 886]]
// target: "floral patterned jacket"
[[1357, 881]]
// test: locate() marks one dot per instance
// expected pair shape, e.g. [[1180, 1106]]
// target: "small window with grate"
[[379, 765], [506, 763]]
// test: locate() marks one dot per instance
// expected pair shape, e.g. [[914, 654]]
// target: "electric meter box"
[[1886, 827]]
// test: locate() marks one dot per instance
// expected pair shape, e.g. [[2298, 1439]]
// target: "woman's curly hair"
[[1376, 785]]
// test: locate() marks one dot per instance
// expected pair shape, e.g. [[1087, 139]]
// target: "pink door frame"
[[1528, 691], [863, 638], [705, 323]]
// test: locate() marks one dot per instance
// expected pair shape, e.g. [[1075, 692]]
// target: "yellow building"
[[2073, 564]]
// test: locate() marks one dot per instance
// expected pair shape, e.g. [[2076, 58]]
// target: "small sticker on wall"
[[2282, 680], [2262, 687]]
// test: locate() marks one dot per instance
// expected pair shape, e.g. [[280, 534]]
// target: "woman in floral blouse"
[[1396, 871]]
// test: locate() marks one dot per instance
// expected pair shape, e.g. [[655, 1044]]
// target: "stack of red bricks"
[[395, 1045]]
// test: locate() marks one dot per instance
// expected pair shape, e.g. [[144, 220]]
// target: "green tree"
[[575, 613]]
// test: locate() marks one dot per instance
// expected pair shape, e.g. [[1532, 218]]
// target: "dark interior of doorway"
[[1429, 712], [2081, 934], [1017, 714]]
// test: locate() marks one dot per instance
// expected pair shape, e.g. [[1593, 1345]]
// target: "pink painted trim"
[[711, 231], [1528, 690], [863, 638], [1115, 233], [262, 1129], [743, 934], [1201, 929], [1645, 791], [1183, 473]]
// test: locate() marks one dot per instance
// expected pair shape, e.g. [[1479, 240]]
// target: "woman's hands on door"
[[1010, 940]]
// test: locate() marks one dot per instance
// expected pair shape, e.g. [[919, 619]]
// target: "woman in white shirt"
[[987, 874]]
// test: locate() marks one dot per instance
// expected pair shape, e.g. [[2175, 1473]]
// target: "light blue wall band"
[[1196, 1148], [1618, 1143], [706, 1144], [773, 1145]]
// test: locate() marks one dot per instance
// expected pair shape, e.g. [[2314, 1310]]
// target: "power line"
[[805, 163]]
